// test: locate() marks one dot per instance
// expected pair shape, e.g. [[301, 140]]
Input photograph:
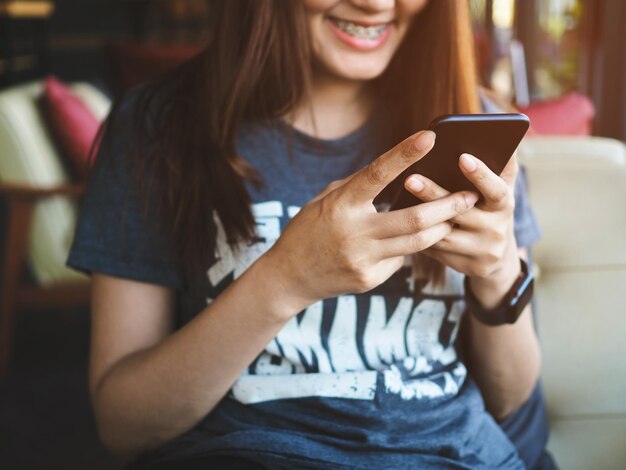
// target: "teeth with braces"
[[363, 32]]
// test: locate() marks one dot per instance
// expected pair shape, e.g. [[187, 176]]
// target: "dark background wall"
[[79, 29], [78, 37], [45, 414]]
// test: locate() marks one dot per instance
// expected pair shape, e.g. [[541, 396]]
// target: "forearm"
[[505, 359], [337, 243], [156, 394]]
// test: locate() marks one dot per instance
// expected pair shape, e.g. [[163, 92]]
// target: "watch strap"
[[511, 306]]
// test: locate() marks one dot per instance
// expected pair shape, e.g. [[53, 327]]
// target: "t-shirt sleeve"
[[114, 235]]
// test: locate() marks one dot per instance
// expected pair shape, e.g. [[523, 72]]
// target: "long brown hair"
[[433, 73], [257, 66]]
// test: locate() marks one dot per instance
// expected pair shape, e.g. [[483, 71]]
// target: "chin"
[[361, 69]]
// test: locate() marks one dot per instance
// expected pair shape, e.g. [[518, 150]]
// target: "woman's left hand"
[[482, 243]]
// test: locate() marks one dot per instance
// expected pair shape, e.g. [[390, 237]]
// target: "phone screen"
[[491, 138]]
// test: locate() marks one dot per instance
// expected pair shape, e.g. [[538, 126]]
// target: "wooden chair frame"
[[21, 200]]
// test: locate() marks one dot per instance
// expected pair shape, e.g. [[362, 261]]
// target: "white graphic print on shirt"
[[337, 347]]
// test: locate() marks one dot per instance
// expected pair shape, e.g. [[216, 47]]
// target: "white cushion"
[[583, 338], [578, 191], [589, 443], [28, 155]]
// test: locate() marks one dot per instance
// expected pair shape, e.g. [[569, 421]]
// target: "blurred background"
[[563, 62]]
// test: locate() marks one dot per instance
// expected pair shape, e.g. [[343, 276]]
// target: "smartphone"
[[491, 138]]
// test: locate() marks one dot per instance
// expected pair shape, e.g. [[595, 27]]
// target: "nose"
[[373, 5]]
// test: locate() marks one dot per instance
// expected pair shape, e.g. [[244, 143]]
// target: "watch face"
[[525, 293]]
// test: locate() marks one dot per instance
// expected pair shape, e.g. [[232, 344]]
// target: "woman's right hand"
[[338, 243]]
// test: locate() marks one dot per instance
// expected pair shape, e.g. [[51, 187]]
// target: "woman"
[[225, 337]]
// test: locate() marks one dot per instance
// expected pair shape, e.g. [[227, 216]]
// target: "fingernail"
[[424, 140], [415, 184], [468, 162], [471, 199]]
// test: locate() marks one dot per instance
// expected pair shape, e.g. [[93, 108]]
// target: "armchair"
[[578, 191], [40, 208]]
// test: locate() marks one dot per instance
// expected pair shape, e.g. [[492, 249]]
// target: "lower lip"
[[358, 43]]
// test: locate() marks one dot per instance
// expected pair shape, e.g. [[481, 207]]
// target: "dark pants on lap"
[[527, 428]]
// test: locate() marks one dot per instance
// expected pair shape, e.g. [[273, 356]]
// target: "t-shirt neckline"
[[338, 147]]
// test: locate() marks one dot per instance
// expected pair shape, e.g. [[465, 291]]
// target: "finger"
[[405, 245], [462, 242], [427, 190], [371, 180], [420, 217], [389, 266], [460, 263], [495, 190], [509, 172]]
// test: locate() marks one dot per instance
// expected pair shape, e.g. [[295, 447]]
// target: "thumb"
[[509, 173]]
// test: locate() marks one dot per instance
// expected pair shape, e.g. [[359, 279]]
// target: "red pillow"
[[73, 125], [571, 114]]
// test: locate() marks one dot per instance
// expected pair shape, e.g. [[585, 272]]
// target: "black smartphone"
[[491, 138]]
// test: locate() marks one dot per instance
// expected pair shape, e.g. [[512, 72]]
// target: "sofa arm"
[[577, 187], [27, 192]]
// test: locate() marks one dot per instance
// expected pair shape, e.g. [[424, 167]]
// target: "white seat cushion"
[[583, 338], [589, 443], [578, 191], [28, 155]]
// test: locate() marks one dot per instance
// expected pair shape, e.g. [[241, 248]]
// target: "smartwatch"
[[512, 305]]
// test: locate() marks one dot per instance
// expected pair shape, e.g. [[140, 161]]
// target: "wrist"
[[490, 290], [279, 290], [510, 307]]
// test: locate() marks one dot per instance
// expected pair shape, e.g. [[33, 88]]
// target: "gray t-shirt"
[[359, 381]]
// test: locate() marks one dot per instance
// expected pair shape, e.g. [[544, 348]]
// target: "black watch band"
[[511, 307]]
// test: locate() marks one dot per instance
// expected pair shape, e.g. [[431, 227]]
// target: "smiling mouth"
[[358, 30]]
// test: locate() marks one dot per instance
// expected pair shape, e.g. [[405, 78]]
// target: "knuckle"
[[493, 255], [407, 151], [333, 185], [481, 271], [376, 173], [418, 241], [363, 281], [499, 236], [416, 219], [460, 204], [344, 261], [350, 265], [325, 208], [509, 203], [366, 284], [330, 209], [445, 242], [501, 196], [480, 174]]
